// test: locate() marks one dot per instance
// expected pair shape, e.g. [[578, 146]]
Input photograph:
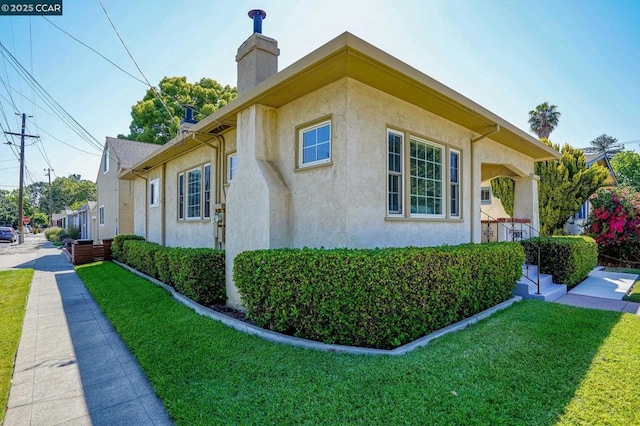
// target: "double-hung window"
[[394, 165], [485, 195], [232, 165], [181, 196], [454, 183], [207, 191], [154, 193], [194, 187], [101, 215], [315, 144]]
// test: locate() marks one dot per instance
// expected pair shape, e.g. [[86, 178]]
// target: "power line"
[[96, 52], [134, 61]]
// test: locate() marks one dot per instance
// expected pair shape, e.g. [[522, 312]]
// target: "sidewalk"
[[603, 290], [71, 366]]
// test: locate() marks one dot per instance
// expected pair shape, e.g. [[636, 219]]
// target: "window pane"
[[309, 155], [193, 193], [207, 190], [309, 138], [323, 134], [323, 151]]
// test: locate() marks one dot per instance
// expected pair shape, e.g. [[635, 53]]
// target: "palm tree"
[[544, 119], [605, 144]]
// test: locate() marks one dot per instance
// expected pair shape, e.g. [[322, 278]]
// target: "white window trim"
[[459, 184], [186, 194], [301, 132], [444, 193], [101, 215], [105, 159], [229, 171], [483, 202], [401, 174], [156, 202]]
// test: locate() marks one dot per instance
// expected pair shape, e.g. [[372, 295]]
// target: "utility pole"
[[21, 190], [50, 197]]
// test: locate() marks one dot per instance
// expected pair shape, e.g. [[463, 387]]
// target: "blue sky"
[[508, 56]]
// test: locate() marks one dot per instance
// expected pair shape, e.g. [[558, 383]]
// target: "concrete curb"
[[272, 336]]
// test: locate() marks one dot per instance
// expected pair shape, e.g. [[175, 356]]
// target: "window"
[[181, 196], [394, 167], [485, 195], [154, 193], [207, 190], [232, 164], [194, 186], [454, 183], [425, 173], [101, 215], [431, 185], [315, 144], [105, 160]]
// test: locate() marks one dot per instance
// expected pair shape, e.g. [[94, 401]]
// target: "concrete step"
[[527, 288]]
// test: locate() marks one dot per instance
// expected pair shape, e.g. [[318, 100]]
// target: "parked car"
[[8, 234]]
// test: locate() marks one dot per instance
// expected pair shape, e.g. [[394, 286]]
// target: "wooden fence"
[[84, 251]]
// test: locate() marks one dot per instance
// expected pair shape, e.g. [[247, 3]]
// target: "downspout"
[[163, 214], [474, 207]]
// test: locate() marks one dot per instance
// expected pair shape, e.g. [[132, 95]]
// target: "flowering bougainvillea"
[[614, 221]]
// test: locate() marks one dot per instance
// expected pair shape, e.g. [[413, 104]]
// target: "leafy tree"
[[626, 166], [544, 119], [605, 143], [564, 185], [9, 207], [153, 123], [504, 189]]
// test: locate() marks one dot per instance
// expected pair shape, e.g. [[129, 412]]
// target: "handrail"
[[516, 235]]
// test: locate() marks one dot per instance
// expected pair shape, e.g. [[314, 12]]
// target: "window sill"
[[313, 166], [423, 219]]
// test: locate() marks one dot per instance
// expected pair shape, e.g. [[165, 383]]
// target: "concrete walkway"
[[71, 366], [603, 290]]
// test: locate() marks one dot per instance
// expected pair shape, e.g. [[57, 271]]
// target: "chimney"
[[257, 57], [188, 119]]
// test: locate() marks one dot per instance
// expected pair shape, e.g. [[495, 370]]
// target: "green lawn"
[[534, 363], [14, 289]]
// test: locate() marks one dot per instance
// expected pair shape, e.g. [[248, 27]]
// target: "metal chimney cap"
[[253, 13]]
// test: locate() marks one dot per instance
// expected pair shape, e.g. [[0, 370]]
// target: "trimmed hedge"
[[116, 246], [568, 259], [198, 273], [379, 298]]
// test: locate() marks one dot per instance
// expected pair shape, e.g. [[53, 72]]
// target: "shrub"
[[74, 232], [163, 266], [376, 298], [116, 246], [568, 259], [198, 273], [615, 223], [55, 234], [140, 255]]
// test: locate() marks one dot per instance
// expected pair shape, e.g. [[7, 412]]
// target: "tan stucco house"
[[114, 208], [347, 147]]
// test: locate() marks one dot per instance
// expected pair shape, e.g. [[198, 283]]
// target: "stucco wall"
[[125, 204], [495, 209], [139, 207], [192, 232], [155, 214], [344, 203], [107, 187]]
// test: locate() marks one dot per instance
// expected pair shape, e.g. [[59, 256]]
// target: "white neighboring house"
[[575, 224], [114, 207], [84, 220]]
